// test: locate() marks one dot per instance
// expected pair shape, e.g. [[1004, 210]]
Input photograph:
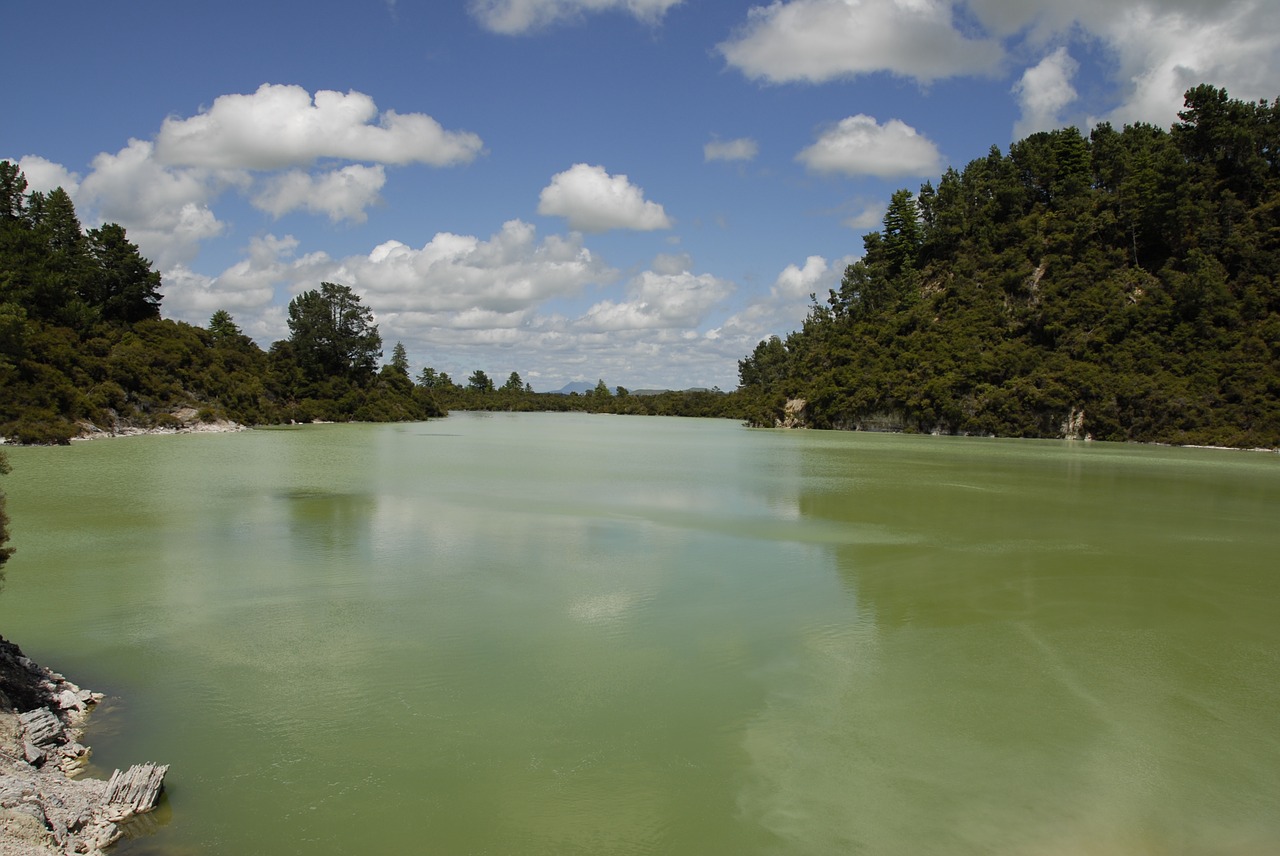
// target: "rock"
[[1073, 426], [32, 753], [21, 827], [41, 726], [43, 810], [794, 410], [70, 700]]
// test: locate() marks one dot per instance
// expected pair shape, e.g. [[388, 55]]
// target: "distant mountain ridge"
[[582, 387]]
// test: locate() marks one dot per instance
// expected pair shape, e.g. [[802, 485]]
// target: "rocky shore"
[[44, 807], [183, 421]]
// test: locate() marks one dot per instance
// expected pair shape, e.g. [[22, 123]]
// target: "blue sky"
[[633, 190]]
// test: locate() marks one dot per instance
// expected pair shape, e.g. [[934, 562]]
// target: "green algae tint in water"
[[558, 634]]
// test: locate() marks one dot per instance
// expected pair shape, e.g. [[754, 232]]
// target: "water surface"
[[571, 634]]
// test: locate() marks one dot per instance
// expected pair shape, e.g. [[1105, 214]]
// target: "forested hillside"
[[83, 345], [1124, 286], [83, 348]]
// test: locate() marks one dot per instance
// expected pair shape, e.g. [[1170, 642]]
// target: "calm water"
[[566, 634]]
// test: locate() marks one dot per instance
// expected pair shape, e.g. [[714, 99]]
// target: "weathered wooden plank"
[[138, 788]]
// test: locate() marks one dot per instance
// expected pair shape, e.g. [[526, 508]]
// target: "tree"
[[602, 390], [55, 281], [122, 285], [333, 335], [514, 383], [400, 359], [902, 238], [223, 326], [767, 364], [428, 378], [479, 382], [13, 188]]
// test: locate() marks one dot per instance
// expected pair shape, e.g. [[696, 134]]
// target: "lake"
[[576, 634]]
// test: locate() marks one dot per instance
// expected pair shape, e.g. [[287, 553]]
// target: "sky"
[[637, 191]]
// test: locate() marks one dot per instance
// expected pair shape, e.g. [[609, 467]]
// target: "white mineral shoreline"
[[44, 808]]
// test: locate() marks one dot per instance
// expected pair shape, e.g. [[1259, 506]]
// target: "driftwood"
[[138, 789]]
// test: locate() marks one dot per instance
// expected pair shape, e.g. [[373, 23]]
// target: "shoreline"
[[188, 419], [44, 807]]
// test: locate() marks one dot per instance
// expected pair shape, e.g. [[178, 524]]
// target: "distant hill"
[[578, 386], [661, 391], [582, 387]]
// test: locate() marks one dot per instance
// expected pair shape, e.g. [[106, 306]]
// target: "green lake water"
[[569, 634]]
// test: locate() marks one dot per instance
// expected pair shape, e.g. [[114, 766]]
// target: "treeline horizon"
[[83, 343], [1120, 286]]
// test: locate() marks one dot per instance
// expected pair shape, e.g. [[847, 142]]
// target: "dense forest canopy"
[[1124, 286]]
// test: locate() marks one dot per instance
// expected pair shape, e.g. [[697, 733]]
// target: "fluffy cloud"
[[511, 272], [165, 210], [820, 40], [342, 194], [594, 201], [741, 149], [247, 288], [162, 191], [282, 126], [1044, 91], [45, 175], [869, 216], [1164, 48], [515, 17], [487, 304], [785, 306], [659, 301], [1158, 48], [859, 145]]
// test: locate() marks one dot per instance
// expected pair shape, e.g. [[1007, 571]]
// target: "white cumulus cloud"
[[246, 289], [741, 149], [281, 126], [784, 308], [511, 272], [1043, 92], [1156, 49], [821, 40], [594, 201], [45, 175], [516, 17], [342, 194], [659, 301], [859, 145], [165, 210], [868, 216]]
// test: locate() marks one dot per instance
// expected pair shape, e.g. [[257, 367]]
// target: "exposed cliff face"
[[794, 415], [1073, 425]]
